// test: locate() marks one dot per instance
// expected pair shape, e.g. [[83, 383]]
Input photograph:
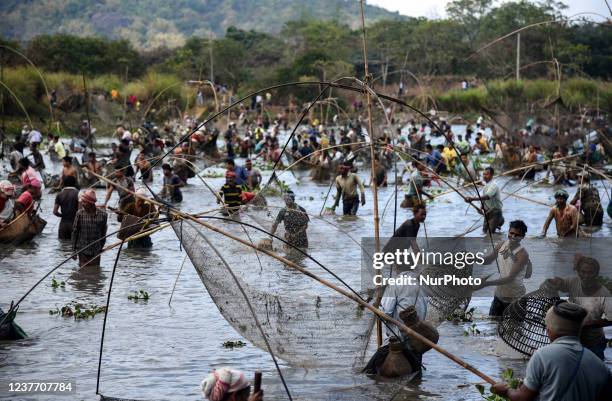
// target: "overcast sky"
[[436, 8]]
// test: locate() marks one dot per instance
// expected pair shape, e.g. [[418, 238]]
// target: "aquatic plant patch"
[[141, 295], [508, 376], [57, 283], [78, 311], [459, 315], [234, 344]]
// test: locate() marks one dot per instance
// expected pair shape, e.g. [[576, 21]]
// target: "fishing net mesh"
[[303, 329], [305, 325]]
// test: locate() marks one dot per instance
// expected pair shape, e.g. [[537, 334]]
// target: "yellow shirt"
[[324, 141], [59, 149], [450, 156]]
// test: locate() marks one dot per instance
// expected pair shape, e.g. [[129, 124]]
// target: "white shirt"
[[8, 209], [397, 298], [34, 136]]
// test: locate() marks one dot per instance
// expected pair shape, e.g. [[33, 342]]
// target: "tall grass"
[[575, 93], [155, 89]]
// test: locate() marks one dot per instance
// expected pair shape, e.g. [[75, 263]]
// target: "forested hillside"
[[149, 24]]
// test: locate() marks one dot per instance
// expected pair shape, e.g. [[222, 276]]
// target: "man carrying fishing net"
[[296, 222], [564, 369], [586, 290]]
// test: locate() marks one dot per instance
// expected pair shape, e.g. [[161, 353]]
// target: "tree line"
[[328, 49]]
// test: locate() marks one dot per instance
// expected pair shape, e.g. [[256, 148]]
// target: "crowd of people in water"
[[572, 159]]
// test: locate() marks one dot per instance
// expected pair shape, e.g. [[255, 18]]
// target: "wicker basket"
[[522, 326]]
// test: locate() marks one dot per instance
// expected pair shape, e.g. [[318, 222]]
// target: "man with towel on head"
[[89, 230], [564, 370], [227, 384]]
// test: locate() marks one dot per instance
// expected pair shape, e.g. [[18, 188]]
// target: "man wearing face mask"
[[514, 266], [586, 290]]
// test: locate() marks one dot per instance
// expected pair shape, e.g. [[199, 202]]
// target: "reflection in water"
[[88, 279]]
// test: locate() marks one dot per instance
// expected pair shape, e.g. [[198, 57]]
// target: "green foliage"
[[508, 376], [158, 23], [26, 86], [57, 284], [78, 311], [461, 316], [498, 95], [471, 330], [460, 100], [141, 295], [88, 55], [234, 344]]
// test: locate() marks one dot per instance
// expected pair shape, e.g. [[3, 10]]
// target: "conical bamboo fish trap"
[[522, 326]]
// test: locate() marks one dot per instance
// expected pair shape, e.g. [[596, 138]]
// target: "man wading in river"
[[346, 186], [401, 355], [586, 290], [491, 203], [514, 266], [66, 207], [566, 216], [590, 207], [296, 222], [415, 187], [406, 233], [89, 231], [564, 370]]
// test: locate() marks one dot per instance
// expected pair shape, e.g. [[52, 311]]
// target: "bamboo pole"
[[89, 138], [367, 81], [182, 215]]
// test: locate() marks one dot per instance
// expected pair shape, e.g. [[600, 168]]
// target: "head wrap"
[[230, 174], [565, 318], [29, 177], [7, 188], [221, 382], [89, 196], [561, 193]]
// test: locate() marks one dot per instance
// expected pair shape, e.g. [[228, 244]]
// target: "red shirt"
[[26, 200]]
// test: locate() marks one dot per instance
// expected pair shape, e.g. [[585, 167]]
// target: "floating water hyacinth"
[[57, 284], [78, 311], [234, 344], [141, 295]]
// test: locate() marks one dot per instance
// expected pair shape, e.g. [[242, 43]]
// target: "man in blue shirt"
[[434, 159], [242, 173], [306, 149]]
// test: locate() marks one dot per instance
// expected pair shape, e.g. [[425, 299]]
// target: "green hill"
[[149, 24]]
